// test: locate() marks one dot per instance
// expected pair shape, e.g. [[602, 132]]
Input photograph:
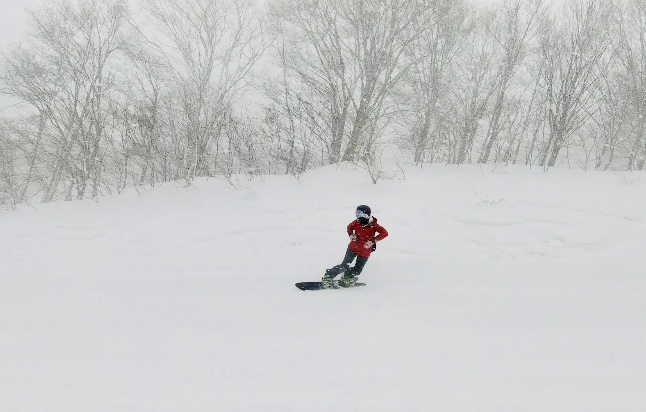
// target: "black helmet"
[[363, 214]]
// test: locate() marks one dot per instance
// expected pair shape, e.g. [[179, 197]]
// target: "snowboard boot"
[[347, 281], [327, 282]]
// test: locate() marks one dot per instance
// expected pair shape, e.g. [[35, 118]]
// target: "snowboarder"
[[364, 234]]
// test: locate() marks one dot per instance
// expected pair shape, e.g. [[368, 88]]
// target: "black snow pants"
[[345, 265]]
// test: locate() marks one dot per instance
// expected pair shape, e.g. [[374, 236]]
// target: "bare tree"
[[382, 32], [9, 180], [441, 28], [311, 96], [316, 82], [475, 86], [297, 122], [214, 45], [346, 56], [571, 52], [64, 72], [143, 118], [21, 156], [519, 18], [611, 125], [631, 79]]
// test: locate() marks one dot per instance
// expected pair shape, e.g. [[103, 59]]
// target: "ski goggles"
[[361, 214]]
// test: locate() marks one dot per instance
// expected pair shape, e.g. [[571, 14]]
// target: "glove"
[[353, 237], [369, 244]]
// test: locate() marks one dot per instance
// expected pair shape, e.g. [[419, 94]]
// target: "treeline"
[[105, 98]]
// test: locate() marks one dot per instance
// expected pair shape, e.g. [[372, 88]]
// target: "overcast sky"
[[13, 20]]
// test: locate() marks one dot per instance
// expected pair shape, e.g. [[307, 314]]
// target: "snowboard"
[[317, 285]]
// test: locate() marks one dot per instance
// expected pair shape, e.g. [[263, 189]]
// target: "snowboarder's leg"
[[358, 266], [340, 268], [343, 266], [350, 276]]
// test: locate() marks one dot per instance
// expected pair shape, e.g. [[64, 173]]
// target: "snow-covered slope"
[[497, 290]]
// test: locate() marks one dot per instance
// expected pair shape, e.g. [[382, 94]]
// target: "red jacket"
[[371, 232]]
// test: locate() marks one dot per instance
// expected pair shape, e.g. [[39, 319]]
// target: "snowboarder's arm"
[[382, 233], [351, 228]]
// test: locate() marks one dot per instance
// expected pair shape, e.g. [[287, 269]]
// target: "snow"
[[498, 289]]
